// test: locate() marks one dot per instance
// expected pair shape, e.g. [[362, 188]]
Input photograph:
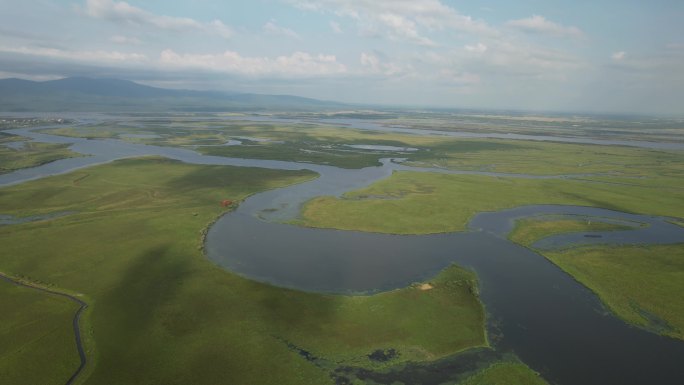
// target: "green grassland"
[[191, 302], [326, 145], [549, 158], [99, 131], [529, 230], [504, 373], [642, 284], [651, 129], [161, 313], [30, 322], [309, 152], [31, 154], [420, 203], [358, 320], [299, 143]]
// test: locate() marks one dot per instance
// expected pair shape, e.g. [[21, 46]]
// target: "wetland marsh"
[[321, 301]]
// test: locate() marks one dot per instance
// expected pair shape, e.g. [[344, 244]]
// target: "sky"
[[618, 56]]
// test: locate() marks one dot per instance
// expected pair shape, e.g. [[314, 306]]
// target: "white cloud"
[[539, 24], [119, 39], [402, 28], [530, 60], [369, 60], [477, 48], [99, 56], [454, 77], [273, 29], [502, 59], [429, 22], [122, 12], [664, 63], [34, 77], [335, 26], [374, 65], [218, 28], [298, 64], [405, 20]]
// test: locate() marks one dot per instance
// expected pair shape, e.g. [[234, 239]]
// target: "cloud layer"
[[124, 13], [376, 51], [297, 64], [539, 24]]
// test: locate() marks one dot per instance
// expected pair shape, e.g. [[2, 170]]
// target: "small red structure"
[[226, 203]]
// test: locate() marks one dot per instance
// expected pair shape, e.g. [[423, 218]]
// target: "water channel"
[[554, 324]]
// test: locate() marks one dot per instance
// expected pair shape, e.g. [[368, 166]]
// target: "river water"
[[555, 325]]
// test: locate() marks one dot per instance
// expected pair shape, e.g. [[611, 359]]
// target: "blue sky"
[[600, 55]]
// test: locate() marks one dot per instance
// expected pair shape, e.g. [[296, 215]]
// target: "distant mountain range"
[[108, 95]]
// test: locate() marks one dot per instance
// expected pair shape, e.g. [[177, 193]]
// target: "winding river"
[[554, 324]]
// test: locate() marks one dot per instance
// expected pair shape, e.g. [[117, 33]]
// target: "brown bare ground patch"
[[425, 287]]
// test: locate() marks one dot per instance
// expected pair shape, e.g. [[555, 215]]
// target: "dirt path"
[[75, 322]]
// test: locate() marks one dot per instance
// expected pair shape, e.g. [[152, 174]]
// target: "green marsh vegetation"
[[481, 366], [326, 144], [30, 322], [652, 129], [160, 312], [643, 285], [99, 131], [640, 284], [549, 158], [644, 128], [529, 230], [298, 143], [29, 154], [309, 152], [504, 373], [627, 179], [421, 203], [112, 130], [169, 215]]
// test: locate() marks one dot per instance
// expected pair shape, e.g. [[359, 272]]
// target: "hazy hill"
[[86, 94]]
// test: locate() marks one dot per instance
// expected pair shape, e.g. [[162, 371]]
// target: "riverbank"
[[424, 203], [160, 305], [641, 284], [153, 283], [18, 152], [29, 347]]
